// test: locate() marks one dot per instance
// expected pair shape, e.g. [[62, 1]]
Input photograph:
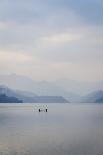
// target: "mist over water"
[[65, 130]]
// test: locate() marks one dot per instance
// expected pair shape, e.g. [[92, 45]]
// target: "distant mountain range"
[[22, 95], [100, 100], [5, 99], [32, 91], [79, 87], [94, 97], [40, 88], [9, 95], [50, 99]]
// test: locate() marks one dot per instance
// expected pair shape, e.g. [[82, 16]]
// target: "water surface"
[[66, 129]]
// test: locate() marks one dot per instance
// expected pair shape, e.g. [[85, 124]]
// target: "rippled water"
[[65, 130]]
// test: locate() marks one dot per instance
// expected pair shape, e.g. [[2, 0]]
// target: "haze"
[[52, 39]]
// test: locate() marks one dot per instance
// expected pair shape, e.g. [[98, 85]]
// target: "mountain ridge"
[[28, 88], [33, 99]]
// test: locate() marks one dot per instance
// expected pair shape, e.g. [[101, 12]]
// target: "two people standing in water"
[[46, 110]]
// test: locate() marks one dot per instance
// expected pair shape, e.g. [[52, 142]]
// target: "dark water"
[[65, 130]]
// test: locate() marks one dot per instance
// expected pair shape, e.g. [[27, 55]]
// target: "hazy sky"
[[52, 39]]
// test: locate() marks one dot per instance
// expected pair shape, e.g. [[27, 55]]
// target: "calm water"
[[65, 130]]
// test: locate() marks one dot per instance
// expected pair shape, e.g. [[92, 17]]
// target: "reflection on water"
[[64, 130]]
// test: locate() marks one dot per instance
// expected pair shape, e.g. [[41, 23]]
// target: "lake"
[[66, 129]]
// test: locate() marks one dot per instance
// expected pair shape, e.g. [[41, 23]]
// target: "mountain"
[[28, 97], [45, 88], [17, 82], [21, 95], [51, 99], [94, 97], [79, 87], [30, 91], [5, 99], [100, 100], [72, 89], [41, 88]]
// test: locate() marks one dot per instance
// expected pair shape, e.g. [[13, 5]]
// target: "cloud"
[[13, 57], [91, 11], [52, 38], [58, 39], [80, 46]]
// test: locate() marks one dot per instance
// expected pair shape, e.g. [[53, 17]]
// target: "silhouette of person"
[[46, 110]]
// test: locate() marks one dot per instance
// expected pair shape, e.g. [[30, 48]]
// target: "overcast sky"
[[52, 39]]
